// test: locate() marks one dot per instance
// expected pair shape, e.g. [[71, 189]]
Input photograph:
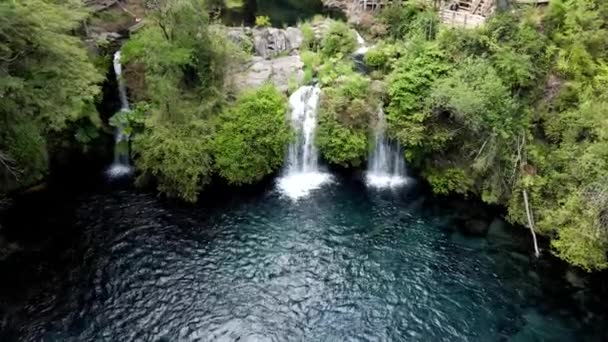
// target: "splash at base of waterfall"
[[385, 181], [302, 174], [299, 185], [118, 170], [386, 165]]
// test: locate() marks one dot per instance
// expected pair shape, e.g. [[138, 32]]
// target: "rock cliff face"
[[276, 56], [268, 42], [348, 7], [279, 71]]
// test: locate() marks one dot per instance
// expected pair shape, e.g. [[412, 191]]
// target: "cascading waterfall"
[[121, 165], [359, 55], [301, 174], [363, 48], [386, 165]]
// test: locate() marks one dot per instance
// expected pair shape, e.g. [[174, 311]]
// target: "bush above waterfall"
[[348, 107], [252, 136], [349, 101], [338, 40]]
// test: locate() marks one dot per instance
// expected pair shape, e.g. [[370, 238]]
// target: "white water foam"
[[299, 185], [301, 174], [363, 48], [386, 166], [118, 170]]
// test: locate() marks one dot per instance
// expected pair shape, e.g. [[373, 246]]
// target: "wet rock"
[[574, 279], [99, 5], [475, 227], [267, 42], [241, 36], [279, 71], [271, 42], [100, 42]]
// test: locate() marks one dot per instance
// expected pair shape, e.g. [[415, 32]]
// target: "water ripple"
[[336, 267]]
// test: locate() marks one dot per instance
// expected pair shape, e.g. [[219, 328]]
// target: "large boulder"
[[271, 42], [268, 42], [278, 71]]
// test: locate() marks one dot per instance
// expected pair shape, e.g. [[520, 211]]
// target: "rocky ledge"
[[276, 56]]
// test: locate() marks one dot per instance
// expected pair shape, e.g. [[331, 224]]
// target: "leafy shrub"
[[339, 40], [346, 109], [252, 136], [448, 180], [309, 41], [179, 158], [129, 120], [26, 146], [262, 21], [382, 56], [334, 68], [340, 145]]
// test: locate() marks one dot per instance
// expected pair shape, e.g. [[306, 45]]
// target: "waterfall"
[[386, 165], [121, 165], [359, 55], [301, 173], [362, 50]]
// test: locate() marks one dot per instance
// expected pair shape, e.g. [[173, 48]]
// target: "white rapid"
[[386, 165], [363, 48], [121, 165], [302, 174]]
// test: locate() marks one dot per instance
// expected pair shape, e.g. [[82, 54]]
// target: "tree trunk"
[[531, 223]]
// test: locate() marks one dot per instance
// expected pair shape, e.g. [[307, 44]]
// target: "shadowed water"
[[280, 12], [341, 265]]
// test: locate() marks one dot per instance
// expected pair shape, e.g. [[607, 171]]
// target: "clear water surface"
[[346, 264]]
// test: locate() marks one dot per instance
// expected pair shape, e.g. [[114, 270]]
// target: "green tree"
[[185, 60], [252, 136], [46, 81]]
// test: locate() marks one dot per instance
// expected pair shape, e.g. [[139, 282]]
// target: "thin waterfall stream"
[[121, 165], [386, 164], [302, 174]]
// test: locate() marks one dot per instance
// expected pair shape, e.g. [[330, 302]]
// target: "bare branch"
[[9, 165]]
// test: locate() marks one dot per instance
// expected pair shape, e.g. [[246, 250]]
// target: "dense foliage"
[[511, 112], [350, 100], [47, 81], [517, 105], [192, 129], [252, 136]]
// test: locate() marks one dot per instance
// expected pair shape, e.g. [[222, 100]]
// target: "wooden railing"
[[470, 13]]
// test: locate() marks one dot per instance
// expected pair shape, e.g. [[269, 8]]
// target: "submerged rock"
[[475, 227]]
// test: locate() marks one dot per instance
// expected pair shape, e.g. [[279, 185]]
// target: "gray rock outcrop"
[[272, 42], [276, 56], [279, 71], [268, 42]]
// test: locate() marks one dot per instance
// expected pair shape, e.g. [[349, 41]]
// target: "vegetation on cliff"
[[516, 106], [47, 84], [192, 129], [513, 112], [350, 100]]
